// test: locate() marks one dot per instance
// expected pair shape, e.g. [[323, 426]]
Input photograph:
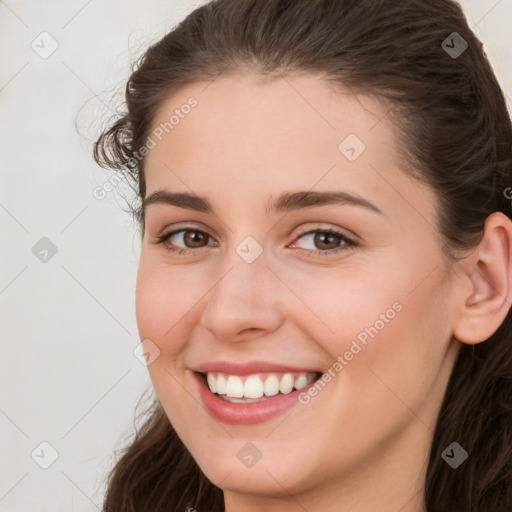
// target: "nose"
[[245, 301]]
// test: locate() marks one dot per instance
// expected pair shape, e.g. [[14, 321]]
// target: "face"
[[349, 289]]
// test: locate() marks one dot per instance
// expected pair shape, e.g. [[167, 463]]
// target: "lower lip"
[[250, 413]]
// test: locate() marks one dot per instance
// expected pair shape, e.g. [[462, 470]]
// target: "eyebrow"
[[286, 202]]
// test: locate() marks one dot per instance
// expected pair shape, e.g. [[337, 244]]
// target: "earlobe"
[[490, 298]]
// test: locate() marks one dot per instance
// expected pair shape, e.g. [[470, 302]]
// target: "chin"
[[268, 476]]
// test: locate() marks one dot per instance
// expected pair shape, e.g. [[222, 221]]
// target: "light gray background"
[[68, 375]]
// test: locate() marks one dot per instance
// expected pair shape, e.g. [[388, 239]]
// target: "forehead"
[[258, 121], [248, 137]]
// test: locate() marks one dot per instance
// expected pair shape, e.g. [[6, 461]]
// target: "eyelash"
[[349, 243]]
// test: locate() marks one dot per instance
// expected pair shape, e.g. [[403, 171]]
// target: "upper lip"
[[249, 368]]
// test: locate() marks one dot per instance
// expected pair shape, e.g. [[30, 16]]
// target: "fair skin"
[[362, 443]]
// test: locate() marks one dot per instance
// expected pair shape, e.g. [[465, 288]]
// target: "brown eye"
[[326, 241], [184, 240], [194, 239]]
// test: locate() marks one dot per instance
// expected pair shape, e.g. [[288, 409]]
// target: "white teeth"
[[258, 386], [271, 386], [221, 385], [300, 382], [212, 383], [242, 400], [235, 387], [253, 387], [286, 384]]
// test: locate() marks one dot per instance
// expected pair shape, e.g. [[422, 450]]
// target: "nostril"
[[248, 329]]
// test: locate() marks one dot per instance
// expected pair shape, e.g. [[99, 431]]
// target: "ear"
[[489, 271]]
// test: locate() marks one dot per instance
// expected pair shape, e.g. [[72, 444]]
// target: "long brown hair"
[[454, 131]]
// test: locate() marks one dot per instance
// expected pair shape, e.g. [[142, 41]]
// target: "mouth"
[[256, 387], [252, 398]]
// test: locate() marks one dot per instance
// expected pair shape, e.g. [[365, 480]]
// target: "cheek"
[[404, 333], [166, 312], [346, 304], [392, 340], [165, 301], [161, 308], [392, 319]]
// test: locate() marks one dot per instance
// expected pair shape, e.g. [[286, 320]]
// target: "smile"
[[256, 387], [251, 393]]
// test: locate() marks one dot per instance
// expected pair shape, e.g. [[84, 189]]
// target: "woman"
[[324, 287]]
